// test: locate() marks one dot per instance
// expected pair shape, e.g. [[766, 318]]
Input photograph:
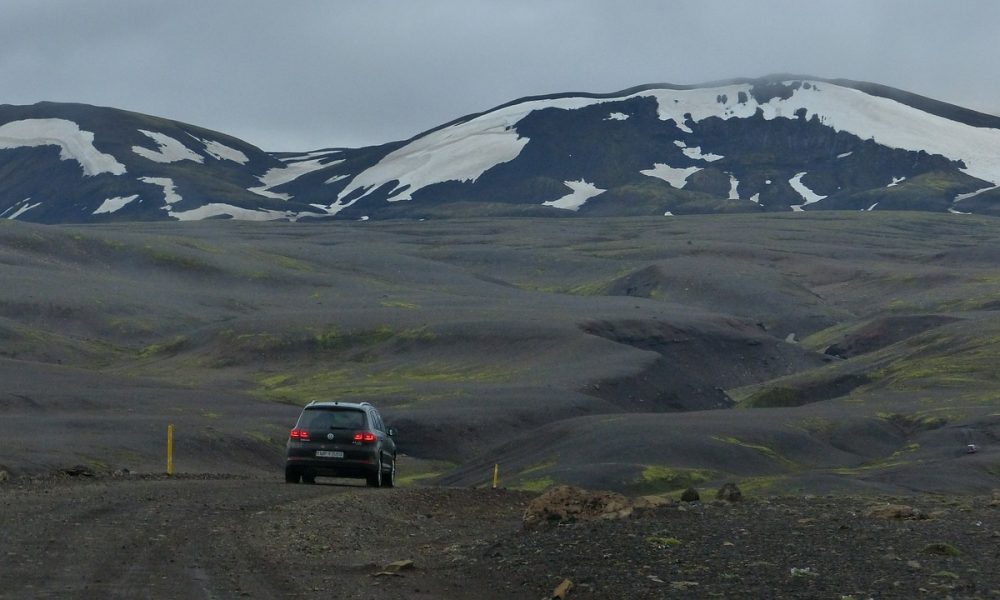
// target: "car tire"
[[375, 478], [390, 480], [310, 479], [292, 475]]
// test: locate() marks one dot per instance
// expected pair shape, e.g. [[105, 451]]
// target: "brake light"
[[299, 434], [364, 437]]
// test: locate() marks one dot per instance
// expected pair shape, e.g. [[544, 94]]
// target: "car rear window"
[[332, 418]]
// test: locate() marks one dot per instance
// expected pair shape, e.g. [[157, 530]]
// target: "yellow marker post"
[[496, 475], [170, 449]]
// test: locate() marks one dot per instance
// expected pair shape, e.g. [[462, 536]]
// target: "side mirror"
[[391, 432]]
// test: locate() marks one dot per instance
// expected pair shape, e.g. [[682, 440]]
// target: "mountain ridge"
[[777, 143]]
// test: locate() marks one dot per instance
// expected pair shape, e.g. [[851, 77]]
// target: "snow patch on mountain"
[[896, 181], [170, 195], [582, 191], [211, 210], [961, 197], [73, 142], [292, 171], [675, 177], [695, 153], [312, 154], [220, 151], [733, 185], [21, 208], [169, 150], [111, 205], [616, 116], [807, 194]]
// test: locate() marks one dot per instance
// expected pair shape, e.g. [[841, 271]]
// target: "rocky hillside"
[[777, 144]]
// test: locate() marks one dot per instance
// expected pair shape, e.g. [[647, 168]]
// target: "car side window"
[[378, 422]]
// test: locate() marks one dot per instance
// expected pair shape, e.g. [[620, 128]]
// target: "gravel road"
[[218, 538]]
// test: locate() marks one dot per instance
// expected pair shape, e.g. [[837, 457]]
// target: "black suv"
[[341, 439]]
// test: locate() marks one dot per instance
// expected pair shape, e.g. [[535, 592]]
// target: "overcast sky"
[[307, 74]]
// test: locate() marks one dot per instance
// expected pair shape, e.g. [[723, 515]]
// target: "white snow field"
[[675, 177], [465, 150], [19, 209], [582, 191], [220, 151], [696, 154], [807, 194], [170, 195], [290, 172], [218, 209], [169, 149], [733, 185], [111, 205], [74, 143]]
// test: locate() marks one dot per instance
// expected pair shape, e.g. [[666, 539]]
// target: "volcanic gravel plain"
[[824, 362]]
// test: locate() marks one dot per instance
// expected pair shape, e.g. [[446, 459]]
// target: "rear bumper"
[[332, 467]]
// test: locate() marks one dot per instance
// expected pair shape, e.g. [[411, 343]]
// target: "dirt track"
[[210, 537], [141, 538]]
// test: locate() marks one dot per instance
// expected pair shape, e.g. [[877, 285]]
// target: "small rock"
[[913, 564], [683, 585], [4, 476], [996, 498], [690, 495], [729, 492], [945, 575], [647, 502], [564, 503], [562, 590], [79, 471], [394, 568], [942, 549]]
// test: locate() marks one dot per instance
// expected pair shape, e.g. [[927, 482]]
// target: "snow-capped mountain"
[[774, 144]]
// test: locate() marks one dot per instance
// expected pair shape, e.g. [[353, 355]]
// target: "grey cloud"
[[317, 73]]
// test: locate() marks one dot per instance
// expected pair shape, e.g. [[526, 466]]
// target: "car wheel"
[[292, 475], [310, 479], [375, 478], [390, 480]]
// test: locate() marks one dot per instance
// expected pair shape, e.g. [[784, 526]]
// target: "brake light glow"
[[364, 437], [299, 434]]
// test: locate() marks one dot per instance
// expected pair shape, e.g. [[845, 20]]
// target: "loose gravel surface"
[[212, 537]]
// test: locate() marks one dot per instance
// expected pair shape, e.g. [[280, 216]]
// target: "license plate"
[[329, 454]]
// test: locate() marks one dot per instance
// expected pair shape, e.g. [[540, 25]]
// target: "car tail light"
[[299, 434], [365, 437]]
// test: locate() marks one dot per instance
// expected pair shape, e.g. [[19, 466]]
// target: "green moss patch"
[[659, 479]]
